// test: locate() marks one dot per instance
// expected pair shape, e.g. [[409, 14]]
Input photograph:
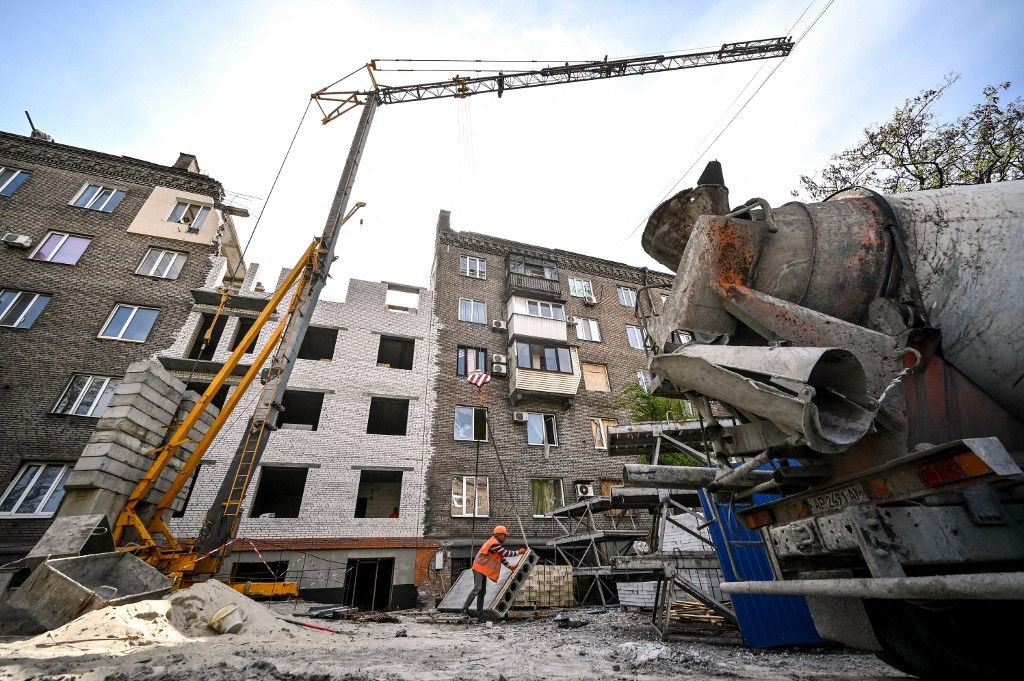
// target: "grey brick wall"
[[36, 364], [575, 458]]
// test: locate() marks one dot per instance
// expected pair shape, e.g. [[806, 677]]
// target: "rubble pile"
[[191, 609]]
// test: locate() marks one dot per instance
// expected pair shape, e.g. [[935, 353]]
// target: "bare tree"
[[913, 151]]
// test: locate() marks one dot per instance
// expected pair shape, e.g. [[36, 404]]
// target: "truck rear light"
[[960, 467], [758, 519]]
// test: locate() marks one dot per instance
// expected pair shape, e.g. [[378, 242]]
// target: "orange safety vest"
[[487, 563]]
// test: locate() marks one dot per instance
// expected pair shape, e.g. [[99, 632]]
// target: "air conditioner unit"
[[589, 299], [499, 359], [499, 325], [584, 490], [499, 369], [13, 240], [570, 320], [520, 416]]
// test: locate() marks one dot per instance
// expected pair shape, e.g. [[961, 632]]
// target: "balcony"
[[555, 386], [533, 287], [527, 326]]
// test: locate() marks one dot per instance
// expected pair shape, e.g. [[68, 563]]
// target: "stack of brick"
[[142, 413], [548, 586]]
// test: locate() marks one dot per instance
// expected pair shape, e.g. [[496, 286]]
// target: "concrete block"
[[72, 535], [152, 441], [499, 595], [116, 452], [153, 382], [130, 420], [128, 393], [110, 466], [102, 482], [157, 370]]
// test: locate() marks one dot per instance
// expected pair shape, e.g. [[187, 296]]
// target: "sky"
[[576, 166]]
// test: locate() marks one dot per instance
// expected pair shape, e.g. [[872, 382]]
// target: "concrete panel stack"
[[140, 416], [547, 586]]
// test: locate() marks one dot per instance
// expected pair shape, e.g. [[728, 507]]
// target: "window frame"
[[545, 420], [91, 203], [163, 252], [518, 264], [584, 372], [201, 214], [56, 251], [473, 303], [559, 496], [641, 335], [85, 390], [543, 356], [65, 468], [476, 497], [18, 172], [466, 271], [462, 354], [626, 292], [593, 329], [475, 410], [557, 310], [128, 322], [577, 289], [602, 425], [28, 308]]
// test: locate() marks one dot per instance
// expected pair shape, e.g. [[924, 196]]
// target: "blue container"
[[765, 621]]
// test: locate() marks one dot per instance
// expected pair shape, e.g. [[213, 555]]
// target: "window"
[[129, 323], [162, 263], [395, 353], [36, 490], [244, 325], [469, 360], [600, 429], [547, 496], [379, 494], [219, 398], [300, 410], [318, 343], [200, 348], [97, 197], [643, 377], [580, 287], [636, 337], [11, 179], [533, 267], [87, 395], [472, 267], [587, 329], [595, 377], [540, 429], [399, 298], [190, 215], [471, 424], [627, 296], [539, 308], [472, 311], [60, 247], [279, 492], [260, 571], [388, 416], [20, 309], [470, 496], [543, 358]]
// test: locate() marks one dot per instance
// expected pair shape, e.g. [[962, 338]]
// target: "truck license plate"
[[837, 499]]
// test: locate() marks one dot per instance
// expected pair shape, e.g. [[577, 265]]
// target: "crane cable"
[[697, 159]]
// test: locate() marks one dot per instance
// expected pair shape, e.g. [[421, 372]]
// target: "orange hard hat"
[[500, 529]]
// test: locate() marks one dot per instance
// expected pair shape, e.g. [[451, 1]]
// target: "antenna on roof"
[[37, 134]]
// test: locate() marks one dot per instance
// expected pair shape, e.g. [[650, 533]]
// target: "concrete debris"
[[193, 607], [401, 633], [571, 624]]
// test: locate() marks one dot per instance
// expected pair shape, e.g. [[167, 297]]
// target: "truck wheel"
[[948, 639]]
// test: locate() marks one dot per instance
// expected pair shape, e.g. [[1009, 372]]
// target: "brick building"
[[337, 503], [100, 254], [558, 333]]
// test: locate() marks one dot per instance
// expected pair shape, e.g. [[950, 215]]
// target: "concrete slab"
[[499, 595], [78, 535]]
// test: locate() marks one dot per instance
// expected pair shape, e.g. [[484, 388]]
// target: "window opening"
[[469, 360], [470, 496], [587, 329], [190, 486], [87, 395], [627, 296], [395, 353], [97, 197], [400, 298], [369, 583], [260, 571], [190, 215], [533, 267], [472, 311], [539, 308], [540, 429], [595, 377], [206, 353], [543, 358], [37, 490], [318, 343], [242, 328], [11, 179], [471, 424], [472, 267], [636, 337], [599, 427], [61, 248], [20, 309], [379, 494], [129, 323], [279, 492], [161, 263], [388, 416], [301, 410], [580, 288], [547, 496], [218, 400]]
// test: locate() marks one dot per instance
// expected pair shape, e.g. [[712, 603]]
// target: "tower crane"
[[139, 524]]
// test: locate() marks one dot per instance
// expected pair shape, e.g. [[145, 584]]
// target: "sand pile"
[[117, 630], [191, 609]]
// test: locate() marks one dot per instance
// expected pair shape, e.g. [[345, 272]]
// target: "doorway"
[[368, 583]]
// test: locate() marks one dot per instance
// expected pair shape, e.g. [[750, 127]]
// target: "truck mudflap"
[[947, 467], [998, 586]]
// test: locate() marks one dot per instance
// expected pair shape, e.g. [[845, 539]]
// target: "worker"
[[487, 565], [394, 513]]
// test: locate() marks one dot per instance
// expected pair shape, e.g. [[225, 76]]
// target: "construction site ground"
[[612, 644]]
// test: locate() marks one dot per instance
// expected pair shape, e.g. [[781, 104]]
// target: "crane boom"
[[461, 87]]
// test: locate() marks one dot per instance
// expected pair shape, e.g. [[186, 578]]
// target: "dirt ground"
[[612, 645]]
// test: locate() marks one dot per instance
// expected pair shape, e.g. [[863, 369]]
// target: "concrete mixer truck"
[[869, 351]]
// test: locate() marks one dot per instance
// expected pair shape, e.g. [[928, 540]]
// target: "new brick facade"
[[575, 459], [37, 363]]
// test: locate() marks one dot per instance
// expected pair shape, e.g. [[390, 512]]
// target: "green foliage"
[[643, 406], [912, 151]]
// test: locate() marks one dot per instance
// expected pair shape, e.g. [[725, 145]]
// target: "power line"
[[700, 156]]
